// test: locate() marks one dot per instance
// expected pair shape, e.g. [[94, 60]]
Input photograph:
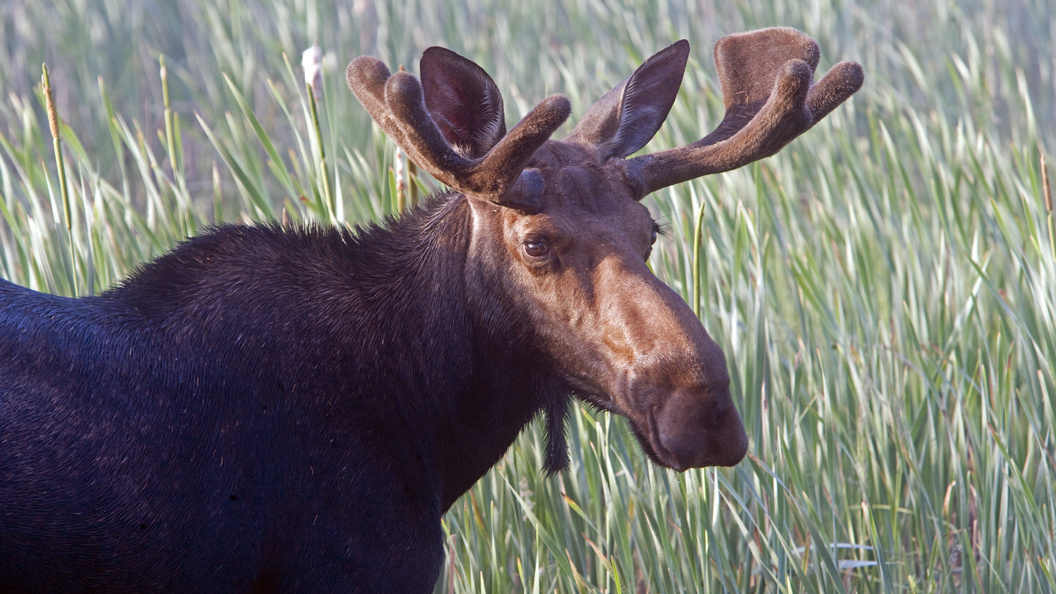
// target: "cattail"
[[53, 123], [401, 184], [312, 62]]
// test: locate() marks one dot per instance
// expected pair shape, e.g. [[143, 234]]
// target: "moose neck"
[[477, 386], [487, 418]]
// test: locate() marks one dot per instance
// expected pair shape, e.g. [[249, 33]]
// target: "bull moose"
[[293, 409]]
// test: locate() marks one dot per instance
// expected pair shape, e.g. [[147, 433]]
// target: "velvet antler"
[[770, 98], [397, 104]]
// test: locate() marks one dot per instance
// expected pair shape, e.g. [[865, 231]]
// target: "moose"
[[268, 408]]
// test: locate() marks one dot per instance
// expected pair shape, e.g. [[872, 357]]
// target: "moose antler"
[[767, 85], [397, 104]]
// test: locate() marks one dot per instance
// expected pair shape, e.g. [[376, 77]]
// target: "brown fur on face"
[[619, 337]]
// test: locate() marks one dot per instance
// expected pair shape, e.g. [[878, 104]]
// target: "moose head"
[[559, 234]]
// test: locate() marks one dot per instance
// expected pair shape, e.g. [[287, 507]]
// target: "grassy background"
[[884, 289]]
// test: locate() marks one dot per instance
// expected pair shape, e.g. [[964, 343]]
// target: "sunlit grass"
[[884, 289]]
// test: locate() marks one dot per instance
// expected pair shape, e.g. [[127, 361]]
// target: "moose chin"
[[268, 408]]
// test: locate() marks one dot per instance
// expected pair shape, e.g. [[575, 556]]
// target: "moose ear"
[[463, 101], [628, 116]]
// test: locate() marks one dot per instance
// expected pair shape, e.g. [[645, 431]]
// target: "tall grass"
[[884, 289]]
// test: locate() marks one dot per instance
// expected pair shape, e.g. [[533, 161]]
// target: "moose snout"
[[696, 428], [675, 389]]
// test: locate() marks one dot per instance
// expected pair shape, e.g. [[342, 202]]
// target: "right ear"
[[628, 116], [463, 101]]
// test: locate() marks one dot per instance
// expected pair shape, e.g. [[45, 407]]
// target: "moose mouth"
[[652, 444], [716, 439], [681, 446], [648, 439]]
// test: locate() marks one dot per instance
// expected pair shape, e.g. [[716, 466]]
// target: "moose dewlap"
[[274, 409]]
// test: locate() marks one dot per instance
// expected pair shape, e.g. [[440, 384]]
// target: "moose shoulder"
[[269, 409]]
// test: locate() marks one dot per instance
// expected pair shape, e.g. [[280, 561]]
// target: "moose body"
[[274, 409], [237, 411]]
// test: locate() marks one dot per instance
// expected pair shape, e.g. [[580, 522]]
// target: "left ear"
[[463, 101], [628, 116]]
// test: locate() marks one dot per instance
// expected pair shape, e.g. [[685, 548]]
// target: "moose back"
[[275, 409]]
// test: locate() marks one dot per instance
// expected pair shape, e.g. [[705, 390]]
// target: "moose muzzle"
[[675, 389], [694, 429]]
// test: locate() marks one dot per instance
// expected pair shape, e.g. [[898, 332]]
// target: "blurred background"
[[884, 288]]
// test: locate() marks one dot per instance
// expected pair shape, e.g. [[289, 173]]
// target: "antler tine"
[[369, 80], [366, 78], [397, 104], [767, 86]]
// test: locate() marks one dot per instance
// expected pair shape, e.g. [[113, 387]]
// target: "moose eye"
[[657, 232], [536, 248]]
